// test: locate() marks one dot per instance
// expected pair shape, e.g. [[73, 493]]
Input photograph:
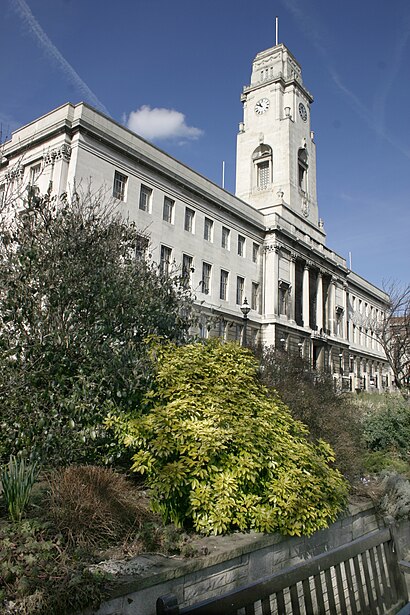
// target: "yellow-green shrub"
[[220, 454]]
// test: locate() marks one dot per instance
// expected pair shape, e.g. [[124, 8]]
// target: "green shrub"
[[311, 398], [77, 302], [386, 426], [220, 454], [375, 462], [17, 480]]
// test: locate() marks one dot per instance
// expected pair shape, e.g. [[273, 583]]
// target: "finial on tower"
[[277, 29]]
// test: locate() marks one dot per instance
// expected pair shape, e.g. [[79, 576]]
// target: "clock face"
[[261, 106], [302, 112]]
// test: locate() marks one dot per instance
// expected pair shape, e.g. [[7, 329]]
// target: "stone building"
[[266, 244]]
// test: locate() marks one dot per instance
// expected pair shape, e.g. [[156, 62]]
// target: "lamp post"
[[283, 343], [245, 309]]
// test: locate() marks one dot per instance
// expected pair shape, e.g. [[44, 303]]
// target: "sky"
[[173, 72]]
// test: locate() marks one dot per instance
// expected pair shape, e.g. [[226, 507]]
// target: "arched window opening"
[[262, 161], [302, 169]]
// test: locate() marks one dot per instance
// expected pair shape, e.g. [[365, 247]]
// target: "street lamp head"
[[245, 307]]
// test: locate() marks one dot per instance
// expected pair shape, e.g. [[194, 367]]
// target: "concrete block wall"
[[230, 561]]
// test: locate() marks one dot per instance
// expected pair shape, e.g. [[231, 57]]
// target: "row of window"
[[365, 309], [229, 331], [119, 192], [205, 284]]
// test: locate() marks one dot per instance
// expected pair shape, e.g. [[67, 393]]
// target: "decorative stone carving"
[[305, 208], [16, 172], [273, 247], [59, 153]]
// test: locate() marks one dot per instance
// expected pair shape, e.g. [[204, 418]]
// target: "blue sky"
[[177, 69]]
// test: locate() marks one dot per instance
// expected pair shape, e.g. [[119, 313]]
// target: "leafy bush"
[[311, 398], [375, 462], [386, 427], [92, 505], [77, 301], [17, 480], [220, 454]]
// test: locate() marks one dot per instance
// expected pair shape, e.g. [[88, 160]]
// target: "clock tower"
[[276, 154]]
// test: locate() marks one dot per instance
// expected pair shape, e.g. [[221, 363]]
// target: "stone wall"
[[228, 562]]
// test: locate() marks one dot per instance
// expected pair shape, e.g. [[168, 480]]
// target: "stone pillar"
[[332, 306], [57, 160], [292, 301], [276, 279], [271, 254], [319, 301], [345, 334], [305, 296]]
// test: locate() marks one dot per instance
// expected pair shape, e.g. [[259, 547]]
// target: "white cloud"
[[54, 55], [161, 124]]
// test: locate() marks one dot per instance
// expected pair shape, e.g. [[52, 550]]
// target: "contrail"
[[316, 34], [53, 53]]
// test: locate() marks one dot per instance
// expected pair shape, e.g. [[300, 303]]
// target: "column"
[[305, 296], [345, 312], [319, 301], [276, 279], [271, 282], [292, 265], [332, 305]]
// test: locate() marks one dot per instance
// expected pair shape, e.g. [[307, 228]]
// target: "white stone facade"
[[266, 244]]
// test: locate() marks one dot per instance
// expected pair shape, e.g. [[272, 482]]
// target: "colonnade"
[[318, 309]]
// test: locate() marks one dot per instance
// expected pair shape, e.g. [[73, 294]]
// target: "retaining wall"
[[228, 562]]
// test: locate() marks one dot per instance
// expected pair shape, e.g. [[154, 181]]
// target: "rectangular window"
[[255, 296], [206, 278], [120, 184], [240, 283], [225, 237], [241, 245], [203, 331], [141, 246], [34, 174], [284, 288], [255, 252], [187, 269], [165, 260], [223, 287], [168, 210], [2, 194], [189, 220], [145, 198], [208, 228], [263, 174], [238, 332]]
